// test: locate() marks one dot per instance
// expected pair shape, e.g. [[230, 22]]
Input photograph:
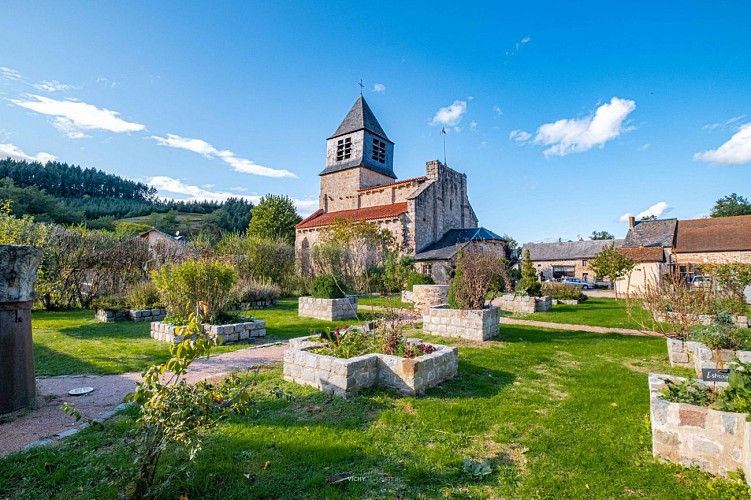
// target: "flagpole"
[[443, 132]]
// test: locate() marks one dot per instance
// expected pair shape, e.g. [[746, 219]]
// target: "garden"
[[392, 401]]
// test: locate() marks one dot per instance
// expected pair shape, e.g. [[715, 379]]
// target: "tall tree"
[[601, 235], [275, 216], [612, 264], [730, 205]]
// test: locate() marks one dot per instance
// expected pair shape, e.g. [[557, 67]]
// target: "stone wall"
[[140, 315], [698, 356], [346, 377], [328, 309], [715, 441], [408, 297], [524, 304], [712, 257], [228, 333], [425, 296], [481, 324], [702, 319], [256, 304]]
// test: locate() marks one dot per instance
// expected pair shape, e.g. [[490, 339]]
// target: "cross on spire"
[[361, 86]]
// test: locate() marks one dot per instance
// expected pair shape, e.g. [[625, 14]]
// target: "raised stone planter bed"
[[109, 315], [525, 304], [480, 324], [256, 304], [426, 296], [698, 356], [346, 377], [702, 319], [715, 441], [408, 297], [568, 302], [328, 309], [228, 333]]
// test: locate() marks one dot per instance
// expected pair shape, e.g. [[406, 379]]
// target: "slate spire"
[[360, 117]]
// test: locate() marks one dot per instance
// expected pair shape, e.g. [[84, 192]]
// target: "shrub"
[[110, 303], [260, 259], [255, 291], [478, 272], [143, 296], [182, 286], [416, 278], [327, 286], [397, 271], [561, 291], [528, 285]]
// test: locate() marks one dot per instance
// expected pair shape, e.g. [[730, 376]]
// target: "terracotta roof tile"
[[717, 234], [644, 254], [392, 184], [321, 218]]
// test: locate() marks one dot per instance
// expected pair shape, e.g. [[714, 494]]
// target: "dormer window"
[[379, 151], [344, 149]]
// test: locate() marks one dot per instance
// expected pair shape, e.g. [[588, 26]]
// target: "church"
[[429, 216]]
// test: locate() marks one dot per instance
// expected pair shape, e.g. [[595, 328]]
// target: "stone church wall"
[[339, 191]]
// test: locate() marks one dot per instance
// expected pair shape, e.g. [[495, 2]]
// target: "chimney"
[[631, 222]]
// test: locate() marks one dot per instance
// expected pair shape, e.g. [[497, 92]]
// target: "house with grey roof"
[[438, 258], [566, 259]]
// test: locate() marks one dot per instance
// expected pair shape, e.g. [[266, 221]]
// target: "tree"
[[275, 216], [730, 205], [649, 217], [612, 264], [477, 273], [601, 235], [528, 284]]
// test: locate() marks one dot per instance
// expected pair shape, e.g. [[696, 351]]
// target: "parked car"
[[700, 281], [577, 283]]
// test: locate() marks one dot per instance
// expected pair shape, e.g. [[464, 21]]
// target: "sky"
[[567, 117]]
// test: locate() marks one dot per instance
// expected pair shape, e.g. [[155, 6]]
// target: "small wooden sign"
[[714, 375]]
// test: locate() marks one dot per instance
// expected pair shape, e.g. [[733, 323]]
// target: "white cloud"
[[106, 81], [519, 136], [450, 115], [657, 210], [518, 46], [379, 88], [577, 135], [53, 86], [644, 147], [75, 117], [497, 110], [165, 184], [472, 126], [736, 151], [10, 74], [14, 152], [208, 151]]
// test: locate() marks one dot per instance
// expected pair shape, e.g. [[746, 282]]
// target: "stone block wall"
[[328, 309], [715, 441], [108, 315], [481, 324], [696, 355], [256, 304], [228, 333], [524, 304], [739, 321], [426, 296], [346, 377]]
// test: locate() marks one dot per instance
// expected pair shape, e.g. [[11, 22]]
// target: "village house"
[[359, 184], [649, 244], [567, 258]]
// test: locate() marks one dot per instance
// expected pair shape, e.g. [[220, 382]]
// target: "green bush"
[[561, 291], [254, 291], [416, 278], [182, 286], [143, 296], [326, 286], [528, 285], [110, 303]]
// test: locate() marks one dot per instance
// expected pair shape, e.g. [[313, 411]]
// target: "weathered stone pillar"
[[18, 271]]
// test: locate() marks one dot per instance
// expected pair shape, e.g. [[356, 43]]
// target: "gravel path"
[[578, 328], [47, 422]]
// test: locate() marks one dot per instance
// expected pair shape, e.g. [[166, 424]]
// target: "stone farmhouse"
[[568, 258], [359, 184]]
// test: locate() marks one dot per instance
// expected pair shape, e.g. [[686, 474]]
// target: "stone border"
[[716, 441], [524, 304], [228, 333], [690, 354], [479, 324], [328, 309], [256, 304], [346, 377], [568, 302], [110, 315], [426, 296], [703, 319]]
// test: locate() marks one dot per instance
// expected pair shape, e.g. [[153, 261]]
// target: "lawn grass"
[[74, 342], [558, 414], [598, 311], [393, 301]]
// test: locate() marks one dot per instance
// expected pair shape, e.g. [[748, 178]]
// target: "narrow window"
[[379, 151], [344, 149]]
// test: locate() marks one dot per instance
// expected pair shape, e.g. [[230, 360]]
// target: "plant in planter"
[[528, 284], [478, 274], [328, 301], [563, 292], [253, 294], [416, 278]]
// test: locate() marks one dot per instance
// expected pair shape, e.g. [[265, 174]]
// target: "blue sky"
[[565, 116]]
